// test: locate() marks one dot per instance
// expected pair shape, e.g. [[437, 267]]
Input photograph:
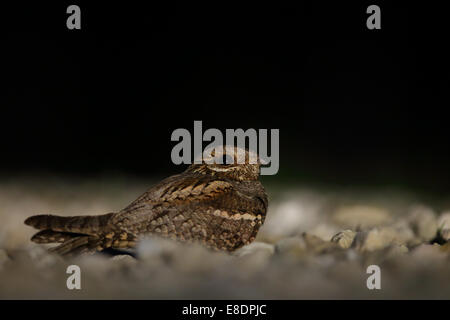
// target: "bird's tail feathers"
[[78, 234], [76, 245], [89, 225]]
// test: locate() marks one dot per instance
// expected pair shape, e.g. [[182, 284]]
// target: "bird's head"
[[228, 162]]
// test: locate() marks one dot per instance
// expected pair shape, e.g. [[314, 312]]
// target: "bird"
[[218, 202]]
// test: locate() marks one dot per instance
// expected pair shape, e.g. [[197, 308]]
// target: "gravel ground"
[[315, 244]]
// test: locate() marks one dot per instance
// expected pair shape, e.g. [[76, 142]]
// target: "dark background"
[[354, 106]]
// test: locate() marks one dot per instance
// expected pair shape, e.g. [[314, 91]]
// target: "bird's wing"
[[180, 192]]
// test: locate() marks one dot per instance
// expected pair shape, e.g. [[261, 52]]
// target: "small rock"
[[444, 220], [423, 222], [375, 239], [152, 248], [294, 246], [379, 256], [289, 217], [256, 247], [42, 258], [324, 231], [195, 259], [254, 257], [445, 234], [125, 258], [359, 216], [402, 233], [318, 245], [397, 249], [399, 233], [344, 238]]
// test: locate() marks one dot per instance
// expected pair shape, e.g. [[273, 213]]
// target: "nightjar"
[[220, 204]]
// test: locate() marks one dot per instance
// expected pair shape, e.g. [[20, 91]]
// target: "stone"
[[374, 239], [396, 249], [445, 234], [377, 257], [423, 222], [125, 258], [444, 220], [362, 217], [325, 231], [291, 217], [254, 257], [42, 258], [293, 246], [402, 233], [344, 238], [256, 247], [153, 247], [317, 245]]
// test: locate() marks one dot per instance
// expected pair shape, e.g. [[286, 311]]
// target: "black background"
[[354, 106], [174, 308]]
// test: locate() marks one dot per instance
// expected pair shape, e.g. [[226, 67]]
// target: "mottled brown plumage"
[[219, 205]]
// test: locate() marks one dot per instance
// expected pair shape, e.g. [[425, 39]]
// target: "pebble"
[[444, 220], [402, 233], [254, 257], [41, 258], [359, 216], [154, 247], [293, 246], [256, 248], [396, 249], [325, 231], [379, 256], [423, 222], [374, 239], [292, 216], [317, 245], [344, 238], [445, 234], [125, 258]]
